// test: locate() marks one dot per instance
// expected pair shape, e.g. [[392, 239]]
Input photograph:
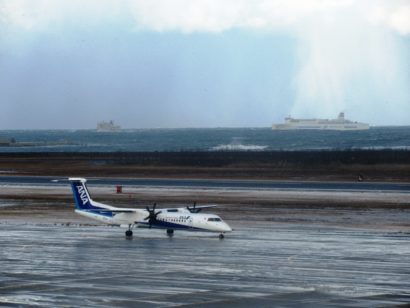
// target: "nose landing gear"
[[221, 236]]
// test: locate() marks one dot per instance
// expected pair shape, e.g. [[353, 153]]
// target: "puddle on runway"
[[289, 265]]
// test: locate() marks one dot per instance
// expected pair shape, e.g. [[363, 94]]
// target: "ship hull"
[[340, 123], [347, 127], [108, 127]]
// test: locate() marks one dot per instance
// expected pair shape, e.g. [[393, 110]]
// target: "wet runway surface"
[[265, 265], [214, 184]]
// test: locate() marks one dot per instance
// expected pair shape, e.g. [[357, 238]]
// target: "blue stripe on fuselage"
[[105, 213], [169, 225]]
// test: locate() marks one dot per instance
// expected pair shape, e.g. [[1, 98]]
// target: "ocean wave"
[[239, 147], [398, 147], [218, 139]]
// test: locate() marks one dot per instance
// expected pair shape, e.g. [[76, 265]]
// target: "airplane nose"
[[227, 228]]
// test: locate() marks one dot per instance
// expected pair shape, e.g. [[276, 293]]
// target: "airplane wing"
[[197, 208]]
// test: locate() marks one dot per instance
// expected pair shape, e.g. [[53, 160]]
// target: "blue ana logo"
[[83, 194]]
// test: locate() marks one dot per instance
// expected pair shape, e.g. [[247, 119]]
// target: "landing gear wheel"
[[221, 236], [128, 233], [170, 232]]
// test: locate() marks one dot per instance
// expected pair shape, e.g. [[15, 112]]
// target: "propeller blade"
[[152, 216], [157, 213], [192, 209]]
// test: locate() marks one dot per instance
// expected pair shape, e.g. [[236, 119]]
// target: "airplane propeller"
[[193, 209], [152, 216]]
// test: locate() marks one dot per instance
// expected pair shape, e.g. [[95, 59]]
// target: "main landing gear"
[[170, 232], [221, 236], [128, 233]]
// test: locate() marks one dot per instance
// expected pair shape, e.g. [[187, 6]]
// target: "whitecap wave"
[[239, 147]]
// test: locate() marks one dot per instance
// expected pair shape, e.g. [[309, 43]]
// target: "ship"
[[108, 127], [340, 123]]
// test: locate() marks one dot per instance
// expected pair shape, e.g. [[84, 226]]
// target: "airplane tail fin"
[[82, 197]]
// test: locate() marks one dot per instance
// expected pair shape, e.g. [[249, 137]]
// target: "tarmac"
[[294, 248], [261, 265]]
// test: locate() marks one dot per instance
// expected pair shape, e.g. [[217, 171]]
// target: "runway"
[[278, 255], [217, 184], [260, 265]]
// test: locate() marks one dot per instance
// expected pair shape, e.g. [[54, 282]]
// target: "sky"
[[68, 64]]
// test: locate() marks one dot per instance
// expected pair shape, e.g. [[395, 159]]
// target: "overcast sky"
[[202, 63]]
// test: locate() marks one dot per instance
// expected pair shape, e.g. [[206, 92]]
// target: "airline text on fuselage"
[[83, 194]]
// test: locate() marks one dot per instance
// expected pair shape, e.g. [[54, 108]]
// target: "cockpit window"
[[214, 219]]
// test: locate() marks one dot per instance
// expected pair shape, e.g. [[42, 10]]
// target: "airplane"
[[186, 218]]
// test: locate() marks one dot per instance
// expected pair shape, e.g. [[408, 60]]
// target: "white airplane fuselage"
[[183, 218]]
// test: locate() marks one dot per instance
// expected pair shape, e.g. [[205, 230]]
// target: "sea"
[[203, 139]]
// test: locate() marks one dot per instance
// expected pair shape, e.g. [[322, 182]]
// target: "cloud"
[[344, 46], [393, 14], [44, 15], [189, 16], [217, 16], [346, 66]]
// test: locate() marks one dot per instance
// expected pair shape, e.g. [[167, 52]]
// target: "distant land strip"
[[355, 164]]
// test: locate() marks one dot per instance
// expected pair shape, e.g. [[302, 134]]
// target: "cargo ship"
[[108, 127], [340, 123]]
